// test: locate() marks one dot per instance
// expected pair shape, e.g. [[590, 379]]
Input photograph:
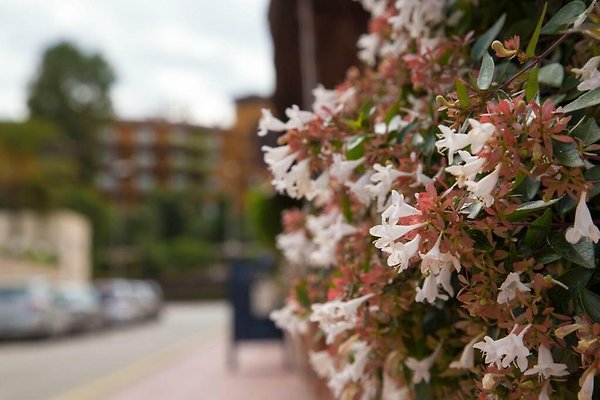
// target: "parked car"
[[82, 306], [149, 296], [28, 309], [119, 301]]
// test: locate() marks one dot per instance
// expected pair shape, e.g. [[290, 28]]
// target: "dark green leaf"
[[533, 86], [548, 257], [530, 207], [576, 278], [566, 15], [593, 174], [588, 132], [355, 148], [392, 112], [536, 34], [567, 154], [586, 100], [487, 38], [591, 304], [302, 294], [565, 205], [551, 75], [463, 93], [581, 253], [423, 391], [539, 229], [486, 72]]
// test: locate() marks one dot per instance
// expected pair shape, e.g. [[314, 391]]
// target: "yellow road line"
[[104, 386]]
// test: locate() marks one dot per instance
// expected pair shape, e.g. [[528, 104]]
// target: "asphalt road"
[[90, 366]]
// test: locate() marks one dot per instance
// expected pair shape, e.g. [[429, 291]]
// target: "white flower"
[[545, 392], [429, 292], [319, 190], [278, 159], [387, 234], [479, 134], [444, 278], [368, 44], [322, 363], [338, 382], [587, 385], [397, 209], [434, 260], [295, 246], [546, 367], [584, 225], [468, 171], [325, 101], [360, 354], [342, 169], [298, 118], [382, 180], [510, 286], [269, 123], [391, 391], [588, 74], [484, 188], [401, 253], [360, 188], [297, 181], [505, 351], [287, 319], [327, 230], [375, 7], [452, 141], [335, 317], [467, 357], [420, 368]]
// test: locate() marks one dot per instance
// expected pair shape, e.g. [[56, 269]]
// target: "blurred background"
[[137, 223]]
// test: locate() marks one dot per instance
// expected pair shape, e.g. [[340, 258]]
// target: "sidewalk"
[[202, 374]]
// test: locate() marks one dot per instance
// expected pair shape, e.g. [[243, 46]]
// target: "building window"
[[145, 159], [145, 136], [145, 182], [179, 181], [178, 137]]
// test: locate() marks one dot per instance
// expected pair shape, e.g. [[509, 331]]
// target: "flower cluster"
[[450, 193]]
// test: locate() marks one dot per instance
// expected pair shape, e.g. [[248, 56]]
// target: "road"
[[96, 365]]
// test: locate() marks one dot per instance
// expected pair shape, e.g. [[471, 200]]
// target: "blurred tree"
[[72, 89]]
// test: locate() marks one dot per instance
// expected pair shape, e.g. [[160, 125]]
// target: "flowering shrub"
[[447, 248]]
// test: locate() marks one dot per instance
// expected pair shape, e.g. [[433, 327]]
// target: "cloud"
[[177, 58]]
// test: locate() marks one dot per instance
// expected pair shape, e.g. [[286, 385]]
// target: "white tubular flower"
[[342, 169], [429, 292], [484, 187], [360, 188], [420, 368], [287, 319], [587, 385], [319, 190], [401, 253], [325, 101], [452, 141], [503, 352], [468, 171], [444, 279], [360, 353], [510, 286], [545, 392], [467, 357], [546, 367], [479, 134], [387, 234], [434, 260], [391, 391], [298, 118], [327, 230], [584, 225], [397, 209], [295, 246], [375, 7], [335, 317], [588, 74], [383, 180], [322, 363], [298, 182], [368, 45], [269, 123]]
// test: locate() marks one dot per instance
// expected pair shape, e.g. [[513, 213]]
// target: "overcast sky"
[[182, 59]]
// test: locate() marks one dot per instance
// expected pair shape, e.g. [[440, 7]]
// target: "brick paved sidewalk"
[[202, 374]]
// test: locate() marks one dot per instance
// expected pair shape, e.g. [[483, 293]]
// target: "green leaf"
[[533, 86], [588, 132], [566, 15], [392, 112], [463, 93], [536, 34], [423, 391], [576, 278], [551, 75], [355, 148], [581, 253], [530, 207], [548, 257], [565, 205], [567, 154], [302, 294], [486, 72], [590, 302], [593, 174], [487, 38], [538, 231], [586, 100]]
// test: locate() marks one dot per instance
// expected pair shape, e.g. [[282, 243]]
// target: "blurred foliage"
[[72, 89]]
